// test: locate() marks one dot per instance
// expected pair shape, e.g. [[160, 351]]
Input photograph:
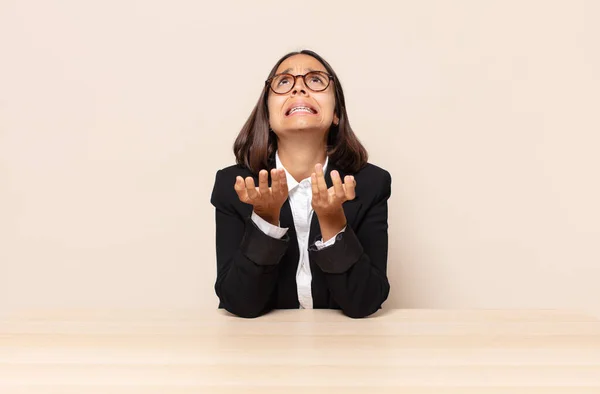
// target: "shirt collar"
[[291, 182]]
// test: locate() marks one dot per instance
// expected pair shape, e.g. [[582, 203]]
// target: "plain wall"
[[115, 116]]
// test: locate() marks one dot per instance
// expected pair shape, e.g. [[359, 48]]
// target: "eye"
[[283, 80], [316, 81]]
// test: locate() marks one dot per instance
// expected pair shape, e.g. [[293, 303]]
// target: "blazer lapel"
[[285, 216], [287, 288]]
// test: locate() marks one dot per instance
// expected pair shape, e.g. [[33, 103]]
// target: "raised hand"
[[266, 201], [327, 203]]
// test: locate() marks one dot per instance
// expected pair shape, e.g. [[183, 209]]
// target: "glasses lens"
[[282, 83], [317, 81]]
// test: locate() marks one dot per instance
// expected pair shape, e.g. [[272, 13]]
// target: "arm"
[[247, 258], [355, 265]]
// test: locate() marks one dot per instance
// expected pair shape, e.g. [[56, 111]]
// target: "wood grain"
[[299, 351]]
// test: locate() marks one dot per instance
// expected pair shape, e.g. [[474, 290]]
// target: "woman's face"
[[321, 104]]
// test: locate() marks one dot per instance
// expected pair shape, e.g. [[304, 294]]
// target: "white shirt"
[[300, 198]]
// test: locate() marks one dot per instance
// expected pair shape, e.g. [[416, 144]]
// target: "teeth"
[[305, 109]]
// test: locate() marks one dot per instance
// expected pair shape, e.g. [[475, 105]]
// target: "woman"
[[314, 233]]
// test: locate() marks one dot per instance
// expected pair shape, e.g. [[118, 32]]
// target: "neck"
[[300, 157]]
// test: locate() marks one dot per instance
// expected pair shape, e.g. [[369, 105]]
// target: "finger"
[[240, 189], [263, 182], [314, 186], [337, 185], [350, 184], [283, 182], [275, 184], [322, 186], [251, 189]]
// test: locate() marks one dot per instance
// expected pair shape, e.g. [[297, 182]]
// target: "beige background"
[[115, 116]]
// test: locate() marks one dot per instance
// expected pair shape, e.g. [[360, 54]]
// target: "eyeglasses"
[[317, 81]]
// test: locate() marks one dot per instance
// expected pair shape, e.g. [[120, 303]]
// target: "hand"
[[267, 201], [327, 203]]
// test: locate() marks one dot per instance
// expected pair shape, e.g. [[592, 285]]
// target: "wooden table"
[[300, 351]]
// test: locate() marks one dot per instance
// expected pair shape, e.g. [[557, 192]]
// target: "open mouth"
[[301, 109]]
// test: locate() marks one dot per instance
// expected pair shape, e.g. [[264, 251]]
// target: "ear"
[[336, 120]]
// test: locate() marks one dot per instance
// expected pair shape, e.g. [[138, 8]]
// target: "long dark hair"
[[256, 143]]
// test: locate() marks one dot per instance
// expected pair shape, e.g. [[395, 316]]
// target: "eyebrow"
[[287, 70]]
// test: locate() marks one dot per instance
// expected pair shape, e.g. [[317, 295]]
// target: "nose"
[[299, 86]]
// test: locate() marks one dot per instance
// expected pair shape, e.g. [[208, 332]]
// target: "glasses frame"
[[295, 77]]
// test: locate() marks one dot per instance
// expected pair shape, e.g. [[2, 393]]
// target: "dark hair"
[[256, 143]]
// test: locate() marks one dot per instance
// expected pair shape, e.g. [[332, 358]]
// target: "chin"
[[302, 124], [302, 128]]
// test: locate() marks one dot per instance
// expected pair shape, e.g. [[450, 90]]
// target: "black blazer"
[[257, 273]]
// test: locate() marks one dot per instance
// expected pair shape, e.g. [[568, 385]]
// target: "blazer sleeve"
[[355, 265], [247, 259]]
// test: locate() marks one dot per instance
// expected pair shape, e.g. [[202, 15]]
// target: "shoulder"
[[372, 171], [233, 171], [373, 180], [225, 177], [223, 190]]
